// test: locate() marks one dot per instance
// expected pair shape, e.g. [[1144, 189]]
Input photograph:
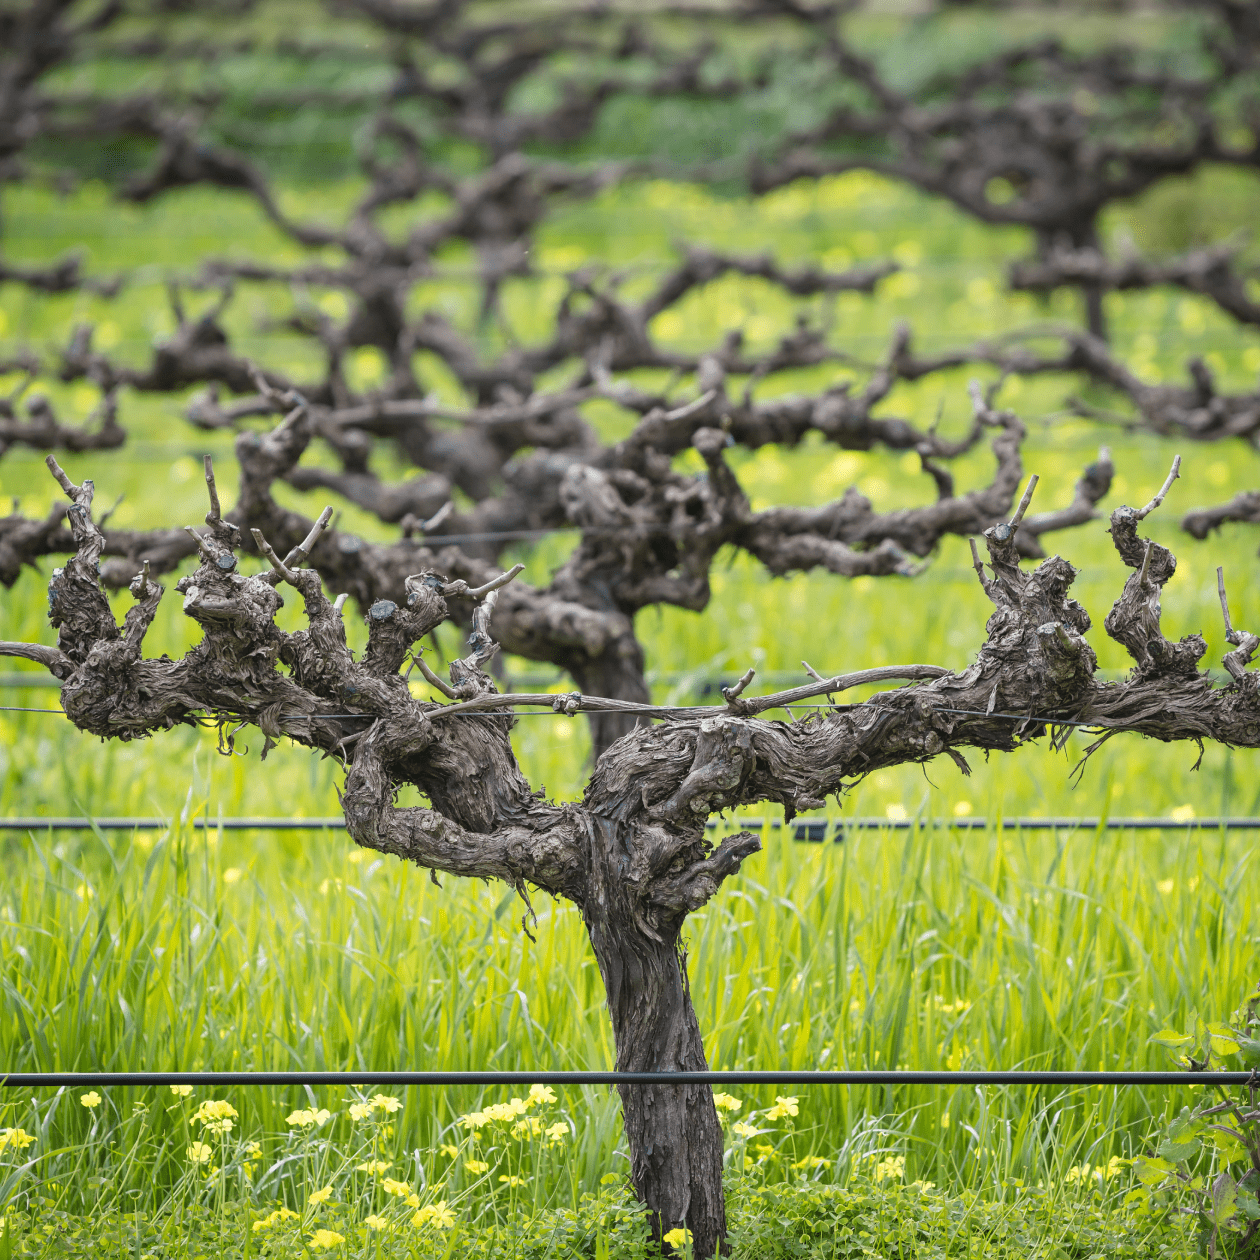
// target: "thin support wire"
[[77, 1080]]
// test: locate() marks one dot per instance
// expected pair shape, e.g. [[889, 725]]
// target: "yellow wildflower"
[[540, 1094], [383, 1102], [304, 1119], [474, 1120], [376, 1222], [181, 1091], [320, 1196], [213, 1110], [215, 1116], [893, 1166], [200, 1153], [449, 1151], [512, 1181], [745, 1130], [326, 1238], [373, 1166], [253, 1150], [783, 1107], [400, 1188], [412, 1200], [558, 1132], [360, 1111], [19, 1139], [91, 1099], [677, 1237], [724, 1102], [477, 1166], [507, 1110], [436, 1214], [280, 1214], [530, 1127]]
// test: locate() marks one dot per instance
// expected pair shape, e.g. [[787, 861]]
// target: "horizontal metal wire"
[[804, 828], [662, 677], [75, 1080]]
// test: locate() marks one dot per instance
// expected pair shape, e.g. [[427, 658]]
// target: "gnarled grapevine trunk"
[[633, 854], [675, 1140]]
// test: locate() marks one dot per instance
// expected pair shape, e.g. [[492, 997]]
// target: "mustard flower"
[[558, 1132], [373, 1166], [215, 1115], [539, 1094], [474, 1120], [360, 1111], [436, 1214], [783, 1107], [512, 1181], [181, 1091], [477, 1166], [19, 1139], [893, 1166], [724, 1102], [280, 1214], [384, 1102], [449, 1151], [200, 1153], [320, 1196], [400, 1188], [507, 1110], [304, 1119], [376, 1222], [323, 1238], [677, 1237], [745, 1130], [91, 1099]]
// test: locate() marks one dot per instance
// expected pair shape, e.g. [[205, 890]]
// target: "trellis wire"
[[812, 829], [75, 1080]]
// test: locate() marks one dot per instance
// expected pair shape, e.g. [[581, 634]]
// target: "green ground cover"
[[193, 949]]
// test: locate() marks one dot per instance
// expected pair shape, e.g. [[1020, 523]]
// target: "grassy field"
[[928, 948]]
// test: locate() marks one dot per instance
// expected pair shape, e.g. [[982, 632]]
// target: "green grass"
[[192, 949]]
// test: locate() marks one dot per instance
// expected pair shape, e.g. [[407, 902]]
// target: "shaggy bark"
[[649, 535], [633, 855]]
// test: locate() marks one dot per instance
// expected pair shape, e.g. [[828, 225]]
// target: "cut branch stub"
[[1245, 643], [1134, 620]]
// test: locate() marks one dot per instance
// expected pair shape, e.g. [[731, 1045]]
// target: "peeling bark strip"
[[633, 855]]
